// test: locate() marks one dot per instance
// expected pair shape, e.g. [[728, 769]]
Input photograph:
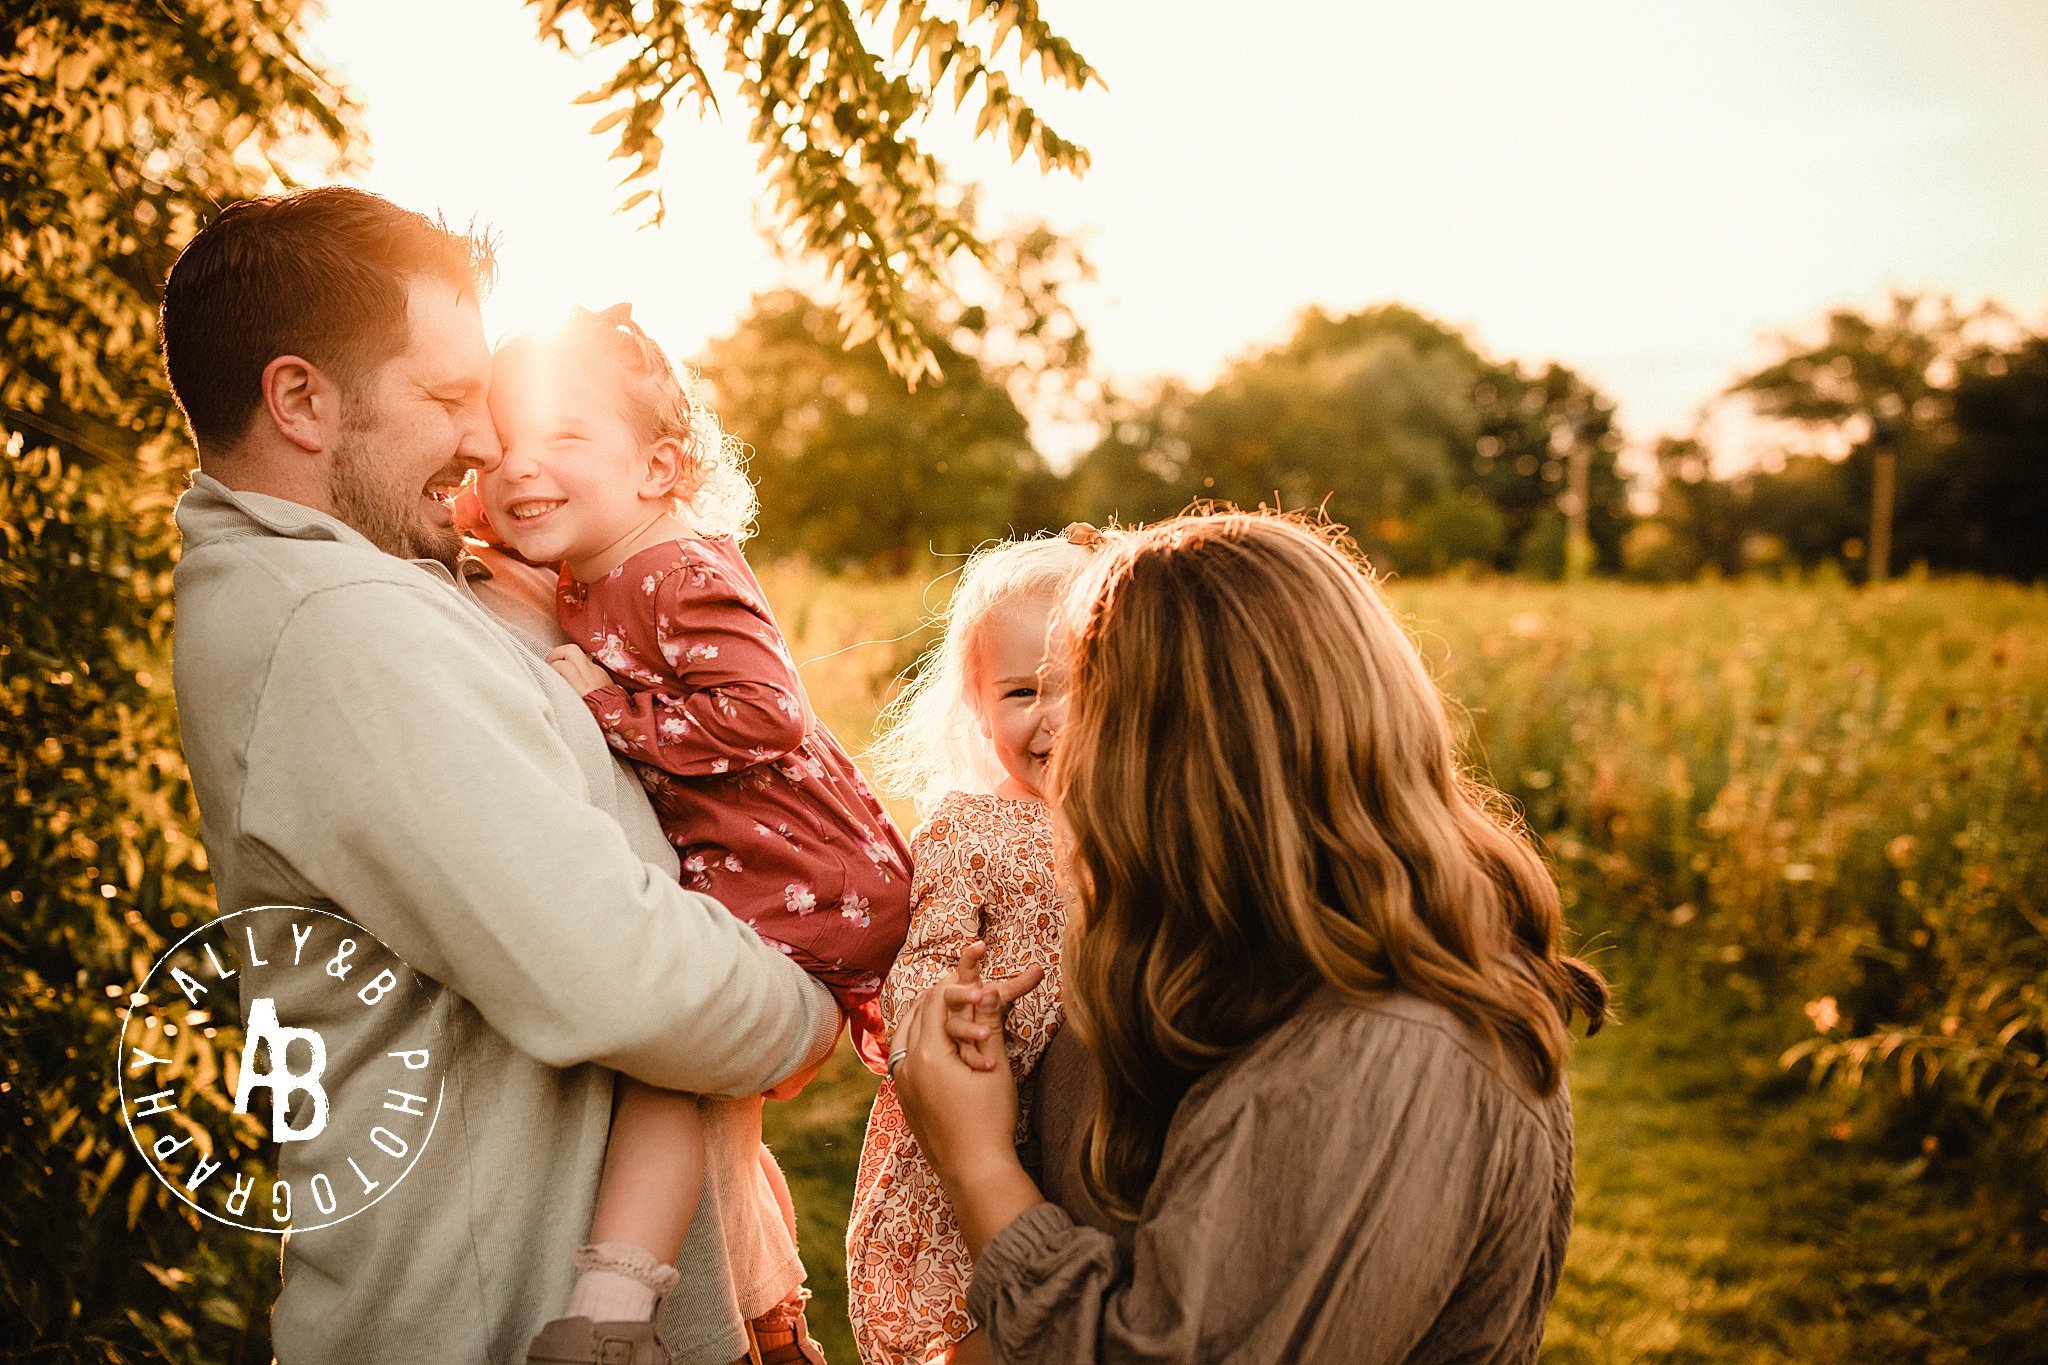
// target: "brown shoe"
[[791, 1345], [579, 1341]]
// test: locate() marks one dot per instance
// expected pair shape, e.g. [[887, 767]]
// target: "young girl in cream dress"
[[969, 740]]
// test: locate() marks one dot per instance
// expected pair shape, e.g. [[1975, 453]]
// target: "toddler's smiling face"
[[576, 476], [1019, 691]]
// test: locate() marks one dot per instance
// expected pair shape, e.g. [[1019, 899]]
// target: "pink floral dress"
[[984, 869], [767, 812]]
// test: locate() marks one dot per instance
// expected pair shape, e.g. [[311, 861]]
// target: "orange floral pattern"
[[983, 868]]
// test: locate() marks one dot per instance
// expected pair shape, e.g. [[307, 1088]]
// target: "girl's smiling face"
[[1019, 691], [577, 478]]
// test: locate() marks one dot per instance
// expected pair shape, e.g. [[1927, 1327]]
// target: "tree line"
[[1436, 455]]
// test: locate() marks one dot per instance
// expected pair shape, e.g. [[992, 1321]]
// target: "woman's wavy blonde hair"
[[713, 493], [1259, 777]]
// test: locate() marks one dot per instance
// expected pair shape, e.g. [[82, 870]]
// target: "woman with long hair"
[[1318, 968]]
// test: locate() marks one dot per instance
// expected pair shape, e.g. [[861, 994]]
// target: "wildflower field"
[[1804, 829]]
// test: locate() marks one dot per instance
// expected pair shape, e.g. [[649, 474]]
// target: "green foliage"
[[101, 864], [127, 125], [853, 469], [832, 101], [1827, 807], [1385, 419]]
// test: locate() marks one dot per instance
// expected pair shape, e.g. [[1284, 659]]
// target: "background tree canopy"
[[1432, 453], [1958, 400], [849, 184], [127, 126]]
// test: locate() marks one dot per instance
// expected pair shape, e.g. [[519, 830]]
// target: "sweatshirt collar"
[[210, 511]]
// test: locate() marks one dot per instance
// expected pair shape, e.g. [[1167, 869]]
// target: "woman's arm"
[[1295, 1217], [965, 1116]]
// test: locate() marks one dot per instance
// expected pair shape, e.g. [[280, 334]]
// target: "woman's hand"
[[965, 1116]]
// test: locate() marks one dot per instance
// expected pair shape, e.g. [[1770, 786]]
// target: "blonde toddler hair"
[[932, 742]]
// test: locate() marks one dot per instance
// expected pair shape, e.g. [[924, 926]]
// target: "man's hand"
[[578, 669]]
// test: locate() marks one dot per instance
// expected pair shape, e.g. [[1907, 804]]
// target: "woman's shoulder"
[[1394, 1046]]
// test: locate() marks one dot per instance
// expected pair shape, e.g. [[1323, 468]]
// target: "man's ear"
[[667, 470], [301, 402]]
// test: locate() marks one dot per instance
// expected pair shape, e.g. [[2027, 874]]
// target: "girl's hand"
[[471, 519], [974, 1007], [581, 672], [963, 1112], [964, 1116]]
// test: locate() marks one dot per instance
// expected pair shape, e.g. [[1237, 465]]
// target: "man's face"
[[413, 429]]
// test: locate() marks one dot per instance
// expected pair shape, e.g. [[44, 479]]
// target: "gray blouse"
[[1364, 1184]]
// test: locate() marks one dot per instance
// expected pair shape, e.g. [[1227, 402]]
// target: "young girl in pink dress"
[[614, 471], [969, 740]]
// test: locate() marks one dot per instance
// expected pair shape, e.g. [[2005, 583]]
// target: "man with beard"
[[364, 735]]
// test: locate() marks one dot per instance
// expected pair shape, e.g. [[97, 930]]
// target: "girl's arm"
[[731, 699], [946, 896]]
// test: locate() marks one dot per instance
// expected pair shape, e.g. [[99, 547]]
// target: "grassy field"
[[1805, 830]]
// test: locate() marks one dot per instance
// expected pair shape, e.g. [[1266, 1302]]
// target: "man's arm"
[[402, 763]]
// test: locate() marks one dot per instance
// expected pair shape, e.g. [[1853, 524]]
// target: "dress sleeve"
[[1331, 1218], [946, 899], [730, 698], [441, 809]]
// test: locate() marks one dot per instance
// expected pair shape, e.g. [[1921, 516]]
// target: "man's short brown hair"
[[320, 274]]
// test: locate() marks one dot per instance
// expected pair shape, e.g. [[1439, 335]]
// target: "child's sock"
[[617, 1282]]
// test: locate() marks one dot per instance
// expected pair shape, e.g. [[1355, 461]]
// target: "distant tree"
[[1535, 427], [1699, 520], [1880, 385], [854, 470], [833, 99], [1376, 417], [1136, 470], [1991, 509]]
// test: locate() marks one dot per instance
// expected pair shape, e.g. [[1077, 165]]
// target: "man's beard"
[[389, 518]]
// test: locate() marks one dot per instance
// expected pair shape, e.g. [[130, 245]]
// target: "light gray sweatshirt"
[[364, 735]]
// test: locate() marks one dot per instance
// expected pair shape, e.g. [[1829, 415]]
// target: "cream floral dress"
[[982, 868]]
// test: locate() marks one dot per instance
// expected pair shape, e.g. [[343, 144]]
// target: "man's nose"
[[480, 449]]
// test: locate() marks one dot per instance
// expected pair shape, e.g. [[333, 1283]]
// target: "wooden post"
[[1884, 482], [1578, 500]]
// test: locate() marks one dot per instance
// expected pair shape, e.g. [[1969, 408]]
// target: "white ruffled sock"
[[617, 1282]]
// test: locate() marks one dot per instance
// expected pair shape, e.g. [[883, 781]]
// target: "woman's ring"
[[898, 1055]]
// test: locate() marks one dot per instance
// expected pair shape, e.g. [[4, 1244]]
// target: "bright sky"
[[1646, 190]]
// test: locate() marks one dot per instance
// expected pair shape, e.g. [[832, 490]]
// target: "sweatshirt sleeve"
[[1328, 1216], [731, 698], [403, 764]]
